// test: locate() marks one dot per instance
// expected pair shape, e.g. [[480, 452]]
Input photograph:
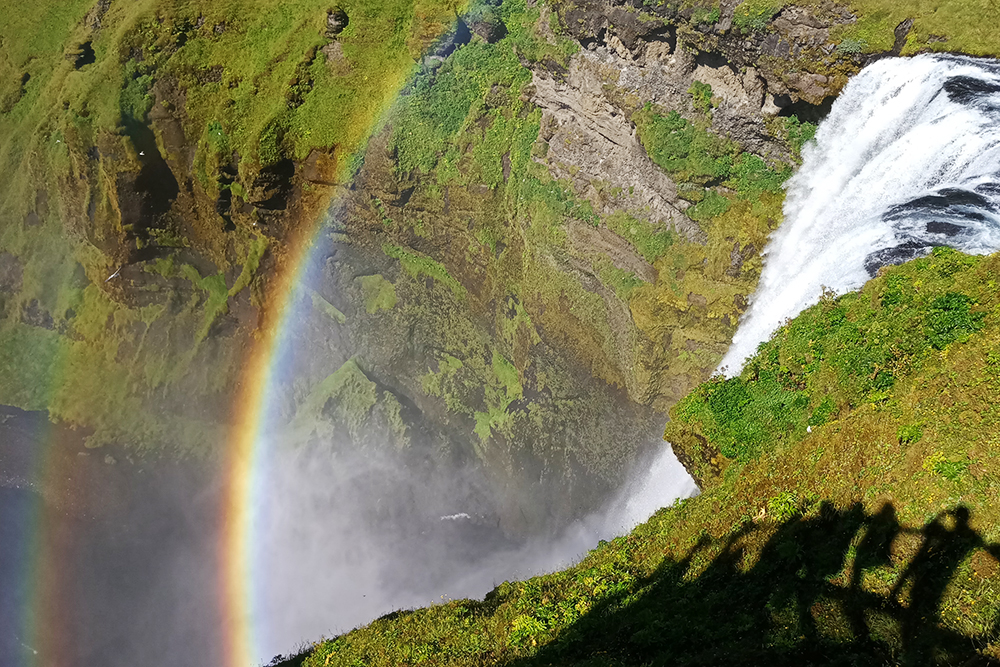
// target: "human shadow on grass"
[[838, 587]]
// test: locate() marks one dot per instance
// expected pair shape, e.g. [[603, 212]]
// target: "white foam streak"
[[897, 133]]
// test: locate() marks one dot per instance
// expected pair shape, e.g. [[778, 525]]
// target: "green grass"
[[701, 15], [623, 282], [643, 235], [257, 249], [687, 152], [963, 24], [754, 15], [838, 356], [798, 133], [216, 296], [27, 358], [437, 109], [693, 155], [872, 33], [701, 94], [711, 206], [379, 293], [417, 265]]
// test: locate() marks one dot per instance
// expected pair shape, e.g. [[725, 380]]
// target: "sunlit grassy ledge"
[[860, 527]]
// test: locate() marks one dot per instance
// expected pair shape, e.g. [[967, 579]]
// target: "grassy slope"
[[257, 46], [871, 540], [958, 26], [952, 25]]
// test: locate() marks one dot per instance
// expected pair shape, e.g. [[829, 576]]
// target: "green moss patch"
[[379, 293]]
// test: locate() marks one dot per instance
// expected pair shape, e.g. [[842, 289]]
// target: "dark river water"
[[104, 559]]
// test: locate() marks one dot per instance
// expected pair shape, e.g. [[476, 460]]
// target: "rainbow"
[[248, 448], [36, 577]]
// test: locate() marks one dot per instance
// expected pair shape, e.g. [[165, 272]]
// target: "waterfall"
[[908, 159]]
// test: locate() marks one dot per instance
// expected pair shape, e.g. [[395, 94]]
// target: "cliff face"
[[548, 243], [157, 161]]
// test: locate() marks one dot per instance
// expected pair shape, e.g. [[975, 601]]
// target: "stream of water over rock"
[[908, 159]]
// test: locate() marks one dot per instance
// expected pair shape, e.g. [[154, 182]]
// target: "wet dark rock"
[[145, 197], [967, 89], [458, 36], [941, 227], [82, 55], [336, 21], [273, 186], [35, 315], [900, 34], [11, 273], [591, 21], [897, 255], [805, 111]]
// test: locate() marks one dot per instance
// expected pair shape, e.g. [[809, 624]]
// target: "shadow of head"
[[830, 586]]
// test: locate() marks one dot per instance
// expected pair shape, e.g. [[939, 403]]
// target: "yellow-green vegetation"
[[694, 155], [843, 355], [705, 15], [322, 305], [417, 265], [236, 60], [257, 249], [950, 25], [650, 242], [347, 395], [468, 124], [870, 537], [701, 94], [379, 293], [121, 362], [736, 197], [753, 15]]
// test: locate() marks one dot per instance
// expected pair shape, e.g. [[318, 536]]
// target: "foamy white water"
[[908, 159]]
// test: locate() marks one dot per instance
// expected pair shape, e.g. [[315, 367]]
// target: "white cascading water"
[[908, 159]]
